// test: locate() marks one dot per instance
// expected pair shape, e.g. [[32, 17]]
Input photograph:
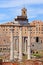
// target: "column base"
[[12, 60], [19, 60], [28, 58]]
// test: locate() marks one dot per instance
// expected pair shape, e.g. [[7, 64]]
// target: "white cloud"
[[3, 16], [14, 3], [32, 12], [15, 11], [32, 16], [40, 11]]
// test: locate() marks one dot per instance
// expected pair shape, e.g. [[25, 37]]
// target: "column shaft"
[[20, 44], [11, 47], [25, 46], [28, 45]]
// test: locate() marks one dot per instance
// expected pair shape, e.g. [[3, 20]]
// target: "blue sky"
[[9, 9]]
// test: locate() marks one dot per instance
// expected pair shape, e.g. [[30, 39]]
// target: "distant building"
[[36, 36]]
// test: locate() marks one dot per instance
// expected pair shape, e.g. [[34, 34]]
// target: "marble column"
[[17, 45], [25, 46], [20, 44], [11, 47], [28, 45]]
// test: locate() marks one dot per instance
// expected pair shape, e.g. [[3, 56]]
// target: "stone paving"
[[28, 62]]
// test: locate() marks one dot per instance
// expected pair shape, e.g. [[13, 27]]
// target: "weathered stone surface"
[[28, 62]]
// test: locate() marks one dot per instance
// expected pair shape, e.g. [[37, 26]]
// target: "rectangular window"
[[39, 28], [37, 39], [42, 29]]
